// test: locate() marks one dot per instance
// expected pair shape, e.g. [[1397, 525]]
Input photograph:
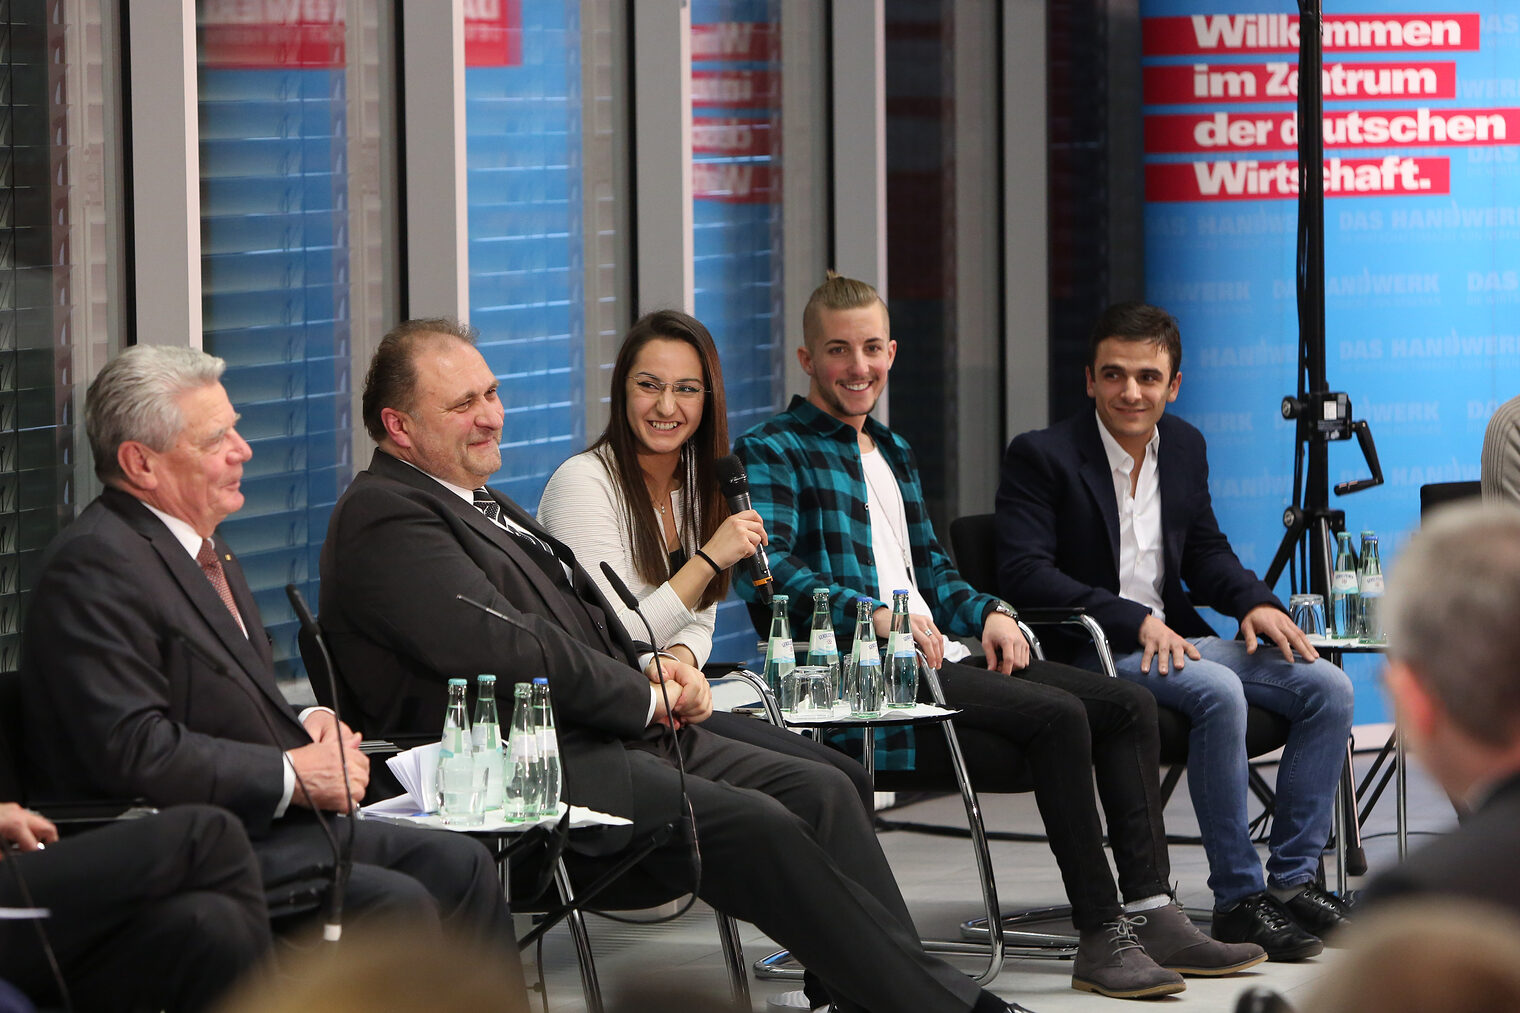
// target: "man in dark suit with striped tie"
[[784, 842]]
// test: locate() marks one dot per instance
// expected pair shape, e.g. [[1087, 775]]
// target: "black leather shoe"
[[1261, 919], [1318, 910]]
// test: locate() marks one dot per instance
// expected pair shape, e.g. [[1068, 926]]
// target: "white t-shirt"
[[890, 549]]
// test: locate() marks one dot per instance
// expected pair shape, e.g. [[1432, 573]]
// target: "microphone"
[[332, 928], [735, 484], [564, 828], [309, 623], [690, 818]]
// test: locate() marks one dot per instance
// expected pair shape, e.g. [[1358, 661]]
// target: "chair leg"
[[1169, 784], [590, 986], [733, 959]]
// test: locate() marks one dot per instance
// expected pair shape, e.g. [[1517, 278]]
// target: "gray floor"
[[937, 875]]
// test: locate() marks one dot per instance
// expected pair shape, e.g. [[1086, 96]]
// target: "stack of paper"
[[417, 770]]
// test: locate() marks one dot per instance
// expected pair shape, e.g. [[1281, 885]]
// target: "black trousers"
[[786, 845], [419, 877], [158, 913], [760, 733], [1052, 727]]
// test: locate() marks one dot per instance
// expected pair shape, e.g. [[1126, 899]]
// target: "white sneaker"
[[793, 1000]]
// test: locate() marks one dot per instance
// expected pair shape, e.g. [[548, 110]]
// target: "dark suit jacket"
[[117, 705], [1476, 861], [399, 548], [1058, 532]]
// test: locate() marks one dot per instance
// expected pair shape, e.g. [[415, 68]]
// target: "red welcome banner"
[[1273, 82], [1421, 127], [296, 34], [1256, 180], [1278, 33]]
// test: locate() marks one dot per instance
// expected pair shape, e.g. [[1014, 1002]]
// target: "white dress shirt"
[[1141, 566]]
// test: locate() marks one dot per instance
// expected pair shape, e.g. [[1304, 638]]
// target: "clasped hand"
[[319, 769], [686, 690]]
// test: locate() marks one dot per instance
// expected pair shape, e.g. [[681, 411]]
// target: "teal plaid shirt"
[[807, 482]]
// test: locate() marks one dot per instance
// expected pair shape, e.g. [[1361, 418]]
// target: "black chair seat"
[[1265, 731], [973, 542]]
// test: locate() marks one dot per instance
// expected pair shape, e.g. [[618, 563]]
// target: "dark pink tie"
[[212, 567]]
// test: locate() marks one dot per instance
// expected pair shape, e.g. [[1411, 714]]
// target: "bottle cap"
[[458, 682], [780, 598], [899, 590], [541, 681], [485, 678]]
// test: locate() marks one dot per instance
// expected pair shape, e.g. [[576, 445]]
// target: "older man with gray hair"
[[1452, 613], [146, 672]]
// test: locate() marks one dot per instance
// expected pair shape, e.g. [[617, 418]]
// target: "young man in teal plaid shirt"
[[844, 509]]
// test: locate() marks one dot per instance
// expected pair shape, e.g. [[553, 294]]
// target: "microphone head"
[[618, 586], [731, 476]]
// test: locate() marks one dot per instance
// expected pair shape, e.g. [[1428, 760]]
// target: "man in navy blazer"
[[1111, 511]]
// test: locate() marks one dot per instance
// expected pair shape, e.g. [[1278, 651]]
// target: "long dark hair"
[[703, 506]]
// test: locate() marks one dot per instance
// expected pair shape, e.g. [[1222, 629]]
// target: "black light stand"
[[1322, 415]]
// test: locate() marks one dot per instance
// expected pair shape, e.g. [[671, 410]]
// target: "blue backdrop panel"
[[1421, 282]]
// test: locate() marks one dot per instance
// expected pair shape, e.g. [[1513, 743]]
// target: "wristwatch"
[[1006, 609]]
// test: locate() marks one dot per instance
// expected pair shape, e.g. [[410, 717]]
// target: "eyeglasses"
[[684, 389]]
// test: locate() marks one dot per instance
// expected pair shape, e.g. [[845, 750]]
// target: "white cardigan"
[[581, 508]]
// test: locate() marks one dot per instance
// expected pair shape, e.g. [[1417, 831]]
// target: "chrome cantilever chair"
[[993, 949], [973, 543], [328, 684]]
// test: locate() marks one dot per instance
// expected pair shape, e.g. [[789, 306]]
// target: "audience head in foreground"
[[1453, 621], [1454, 676], [1426, 955]]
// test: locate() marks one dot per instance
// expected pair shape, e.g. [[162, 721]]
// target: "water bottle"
[[780, 655], [1369, 586], [865, 664], [524, 784], [902, 657], [1343, 595], [456, 760], [485, 732], [548, 749], [822, 649]]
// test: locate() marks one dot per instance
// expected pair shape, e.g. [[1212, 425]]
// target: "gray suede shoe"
[[1173, 941], [1111, 962]]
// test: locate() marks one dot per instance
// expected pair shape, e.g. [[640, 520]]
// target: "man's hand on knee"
[[1170, 648], [1274, 623]]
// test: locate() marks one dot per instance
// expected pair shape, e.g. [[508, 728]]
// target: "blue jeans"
[[1316, 699]]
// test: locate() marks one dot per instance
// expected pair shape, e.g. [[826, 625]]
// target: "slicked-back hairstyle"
[[136, 398], [392, 378], [838, 293], [1137, 321], [703, 505], [1452, 614]]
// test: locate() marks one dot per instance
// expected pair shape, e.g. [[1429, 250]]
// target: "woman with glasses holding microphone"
[[645, 498]]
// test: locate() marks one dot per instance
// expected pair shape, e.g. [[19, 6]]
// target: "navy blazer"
[[1058, 532]]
